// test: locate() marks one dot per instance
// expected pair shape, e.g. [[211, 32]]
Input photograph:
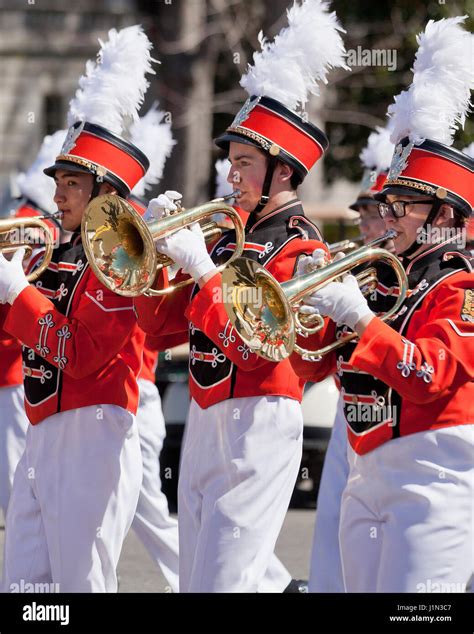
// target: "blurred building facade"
[[43, 48]]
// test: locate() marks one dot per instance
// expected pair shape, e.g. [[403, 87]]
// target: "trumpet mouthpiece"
[[234, 194]]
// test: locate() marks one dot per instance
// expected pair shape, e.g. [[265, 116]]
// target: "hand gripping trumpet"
[[266, 313], [120, 245], [9, 243]]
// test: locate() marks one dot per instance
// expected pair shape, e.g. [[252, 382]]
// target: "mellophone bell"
[[268, 320], [9, 243], [120, 244]]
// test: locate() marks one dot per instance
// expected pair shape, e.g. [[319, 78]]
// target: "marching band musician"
[[244, 433], [277, 578], [77, 484], [406, 516], [36, 200], [154, 526], [375, 159], [325, 569]]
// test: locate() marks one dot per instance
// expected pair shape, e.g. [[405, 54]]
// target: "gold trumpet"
[[266, 313], [9, 245], [120, 245]]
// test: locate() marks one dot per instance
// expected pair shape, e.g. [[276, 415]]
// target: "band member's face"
[[407, 228], [247, 173], [371, 224], [73, 192]]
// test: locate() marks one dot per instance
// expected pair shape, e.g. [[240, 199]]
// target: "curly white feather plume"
[[223, 188], [33, 183], [436, 103], [113, 87], [469, 150], [379, 150], [301, 55], [154, 138]]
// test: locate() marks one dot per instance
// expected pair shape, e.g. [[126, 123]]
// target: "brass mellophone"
[[10, 245], [266, 313], [120, 245]]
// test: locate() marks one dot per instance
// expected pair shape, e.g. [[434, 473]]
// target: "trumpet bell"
[[258, 309], [8, 244], [266, 314], [123, 255], [121, 249]]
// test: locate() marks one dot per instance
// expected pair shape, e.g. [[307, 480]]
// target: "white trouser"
[[239, 465], [326, 571], [152, 522], [276, 577], [73, 500], [13, 426], [407, 514]]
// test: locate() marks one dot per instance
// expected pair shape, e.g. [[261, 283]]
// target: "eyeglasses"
[[398, 208]]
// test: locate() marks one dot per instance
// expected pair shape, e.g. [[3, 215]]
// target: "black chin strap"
[[415, 245], [265, 197]]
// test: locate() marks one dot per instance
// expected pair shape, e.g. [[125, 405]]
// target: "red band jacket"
[[10, 360], [153, 346], [81, 343], [10, 348], [417, 372], [221, 365]]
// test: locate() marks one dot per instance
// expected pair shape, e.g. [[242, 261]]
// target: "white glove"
[[12, 277], [341, 301], [162, 205], [187, 248], [308, 263]]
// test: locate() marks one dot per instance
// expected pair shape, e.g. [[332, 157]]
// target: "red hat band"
[[372, 181], [279, 131], [379, 182], [97, 150], [275, 130], [433, 169]]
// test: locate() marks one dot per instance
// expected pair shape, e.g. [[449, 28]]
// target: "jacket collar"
[[275, 217], [436, 252]]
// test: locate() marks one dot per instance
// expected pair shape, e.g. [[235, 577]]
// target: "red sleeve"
[[165, 342], [101, 324], [207, 312], [437, 354], [162, 316], [4, 308]]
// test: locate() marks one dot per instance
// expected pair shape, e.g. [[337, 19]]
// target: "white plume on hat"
[[469, 150], [301, 55], [154, 138], [378, 152], [114, 86], [223, 187], [436, 103], [33, 183]]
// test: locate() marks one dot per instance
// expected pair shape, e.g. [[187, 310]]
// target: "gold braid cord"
[[427, 189], [252, 135], [93, 167]]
